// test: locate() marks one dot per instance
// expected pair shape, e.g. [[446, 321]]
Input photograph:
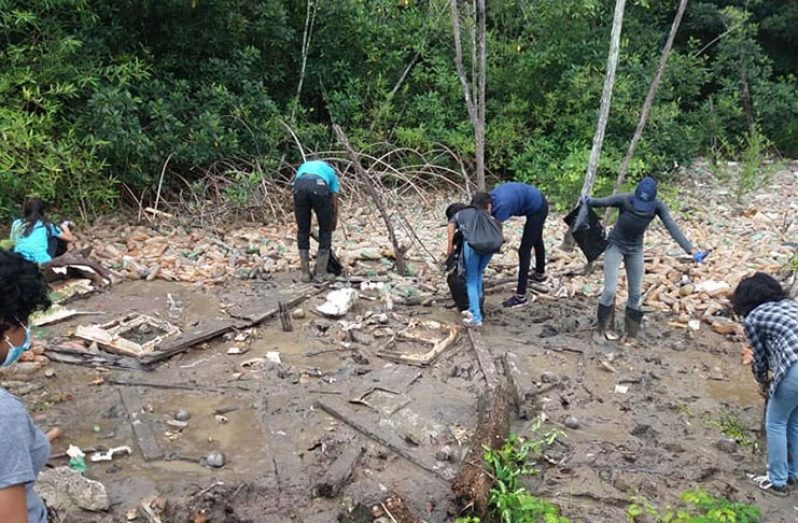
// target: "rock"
[[444, 454], [298, 314], [548, 377], [727, 445], [49, 373], [572, 422], [68, 491], [686, 290], [382, 318], [215, 459], [182, 415]]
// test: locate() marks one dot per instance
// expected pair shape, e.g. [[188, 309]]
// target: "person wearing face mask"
[[24, 448]]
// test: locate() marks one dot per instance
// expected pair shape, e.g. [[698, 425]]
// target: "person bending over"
[[474, 260], [770, 318], [521, 199], [316, 190]]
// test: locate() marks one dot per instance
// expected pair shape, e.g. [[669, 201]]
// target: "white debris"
[[339, 302]]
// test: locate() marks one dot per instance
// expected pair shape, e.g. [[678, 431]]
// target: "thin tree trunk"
[[371, 188], [474, 92], [310, 18], [649, 102], [604, 111], [606, 97]]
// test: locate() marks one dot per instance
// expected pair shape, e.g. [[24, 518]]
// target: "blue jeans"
[[634, 276], [475, 264], [782, 427]]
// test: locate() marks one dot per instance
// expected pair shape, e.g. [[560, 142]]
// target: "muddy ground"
[[657, 440]]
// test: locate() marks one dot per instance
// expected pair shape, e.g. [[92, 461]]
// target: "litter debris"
[[77, 459], [235, 351], [274, 357], [621, 388], [109, 455], [215, 459], [182, 415], [339, 302], [132, 335]]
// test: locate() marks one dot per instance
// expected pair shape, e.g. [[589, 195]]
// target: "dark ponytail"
[[33, 212]]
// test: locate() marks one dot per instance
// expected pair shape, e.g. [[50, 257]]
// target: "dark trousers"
[[56, 247], [311, 194], [532, 237]]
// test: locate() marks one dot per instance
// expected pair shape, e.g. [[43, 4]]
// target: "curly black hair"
[[454, 208], [22, 290], [754, 291]]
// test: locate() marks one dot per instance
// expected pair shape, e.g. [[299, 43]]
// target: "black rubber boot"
[[322, 259], [634, 322], [304, 266], [606, 321]]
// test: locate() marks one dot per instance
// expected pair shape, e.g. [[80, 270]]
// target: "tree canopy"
[[97, 95]]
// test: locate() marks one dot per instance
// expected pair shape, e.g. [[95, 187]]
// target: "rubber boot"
[[633, 322], [304, 266], [606, 321], [322, 259]]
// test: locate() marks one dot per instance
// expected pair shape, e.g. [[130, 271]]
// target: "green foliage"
[[94, 95], [696, 506], [753, 152], [731, 427], [510, 501]]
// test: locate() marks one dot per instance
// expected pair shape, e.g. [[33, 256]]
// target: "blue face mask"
[[14, 352]]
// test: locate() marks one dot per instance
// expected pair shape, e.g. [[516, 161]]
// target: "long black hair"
[[24, 290], [754, 291], [32, 213]]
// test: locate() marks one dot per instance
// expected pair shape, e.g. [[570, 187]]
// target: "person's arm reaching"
[[759, 366], [64, 233], [673, 229], [450, 230], [615, 200]]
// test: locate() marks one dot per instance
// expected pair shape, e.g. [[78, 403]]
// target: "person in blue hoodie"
[[636, 211], [521, 199]]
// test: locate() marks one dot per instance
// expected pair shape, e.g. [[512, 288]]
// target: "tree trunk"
[[472, 485], [606, 98], [473, 90], [652, 91], [370, 185], [604, 112]]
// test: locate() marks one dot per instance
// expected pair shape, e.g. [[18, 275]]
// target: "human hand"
[[700, 256], [585, 199]]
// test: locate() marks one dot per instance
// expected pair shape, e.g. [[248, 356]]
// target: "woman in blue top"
[[35, 238]]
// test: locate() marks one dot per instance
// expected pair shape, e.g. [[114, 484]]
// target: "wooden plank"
[[143, 429], [340, 471], [203, 331], [485, 358], [368, 424], [425, 358], [522, 390]]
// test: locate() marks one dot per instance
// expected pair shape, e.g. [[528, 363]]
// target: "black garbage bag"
[[588, 231], [456, 279], [334, 264]]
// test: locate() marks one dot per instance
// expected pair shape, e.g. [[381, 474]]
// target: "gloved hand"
[[700, 256]]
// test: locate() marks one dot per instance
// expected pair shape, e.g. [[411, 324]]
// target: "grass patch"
[[730, 426], [695, 506]]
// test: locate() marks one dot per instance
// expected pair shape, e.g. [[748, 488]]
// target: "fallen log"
[[471, 486], [97, 273], [340, 471]]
